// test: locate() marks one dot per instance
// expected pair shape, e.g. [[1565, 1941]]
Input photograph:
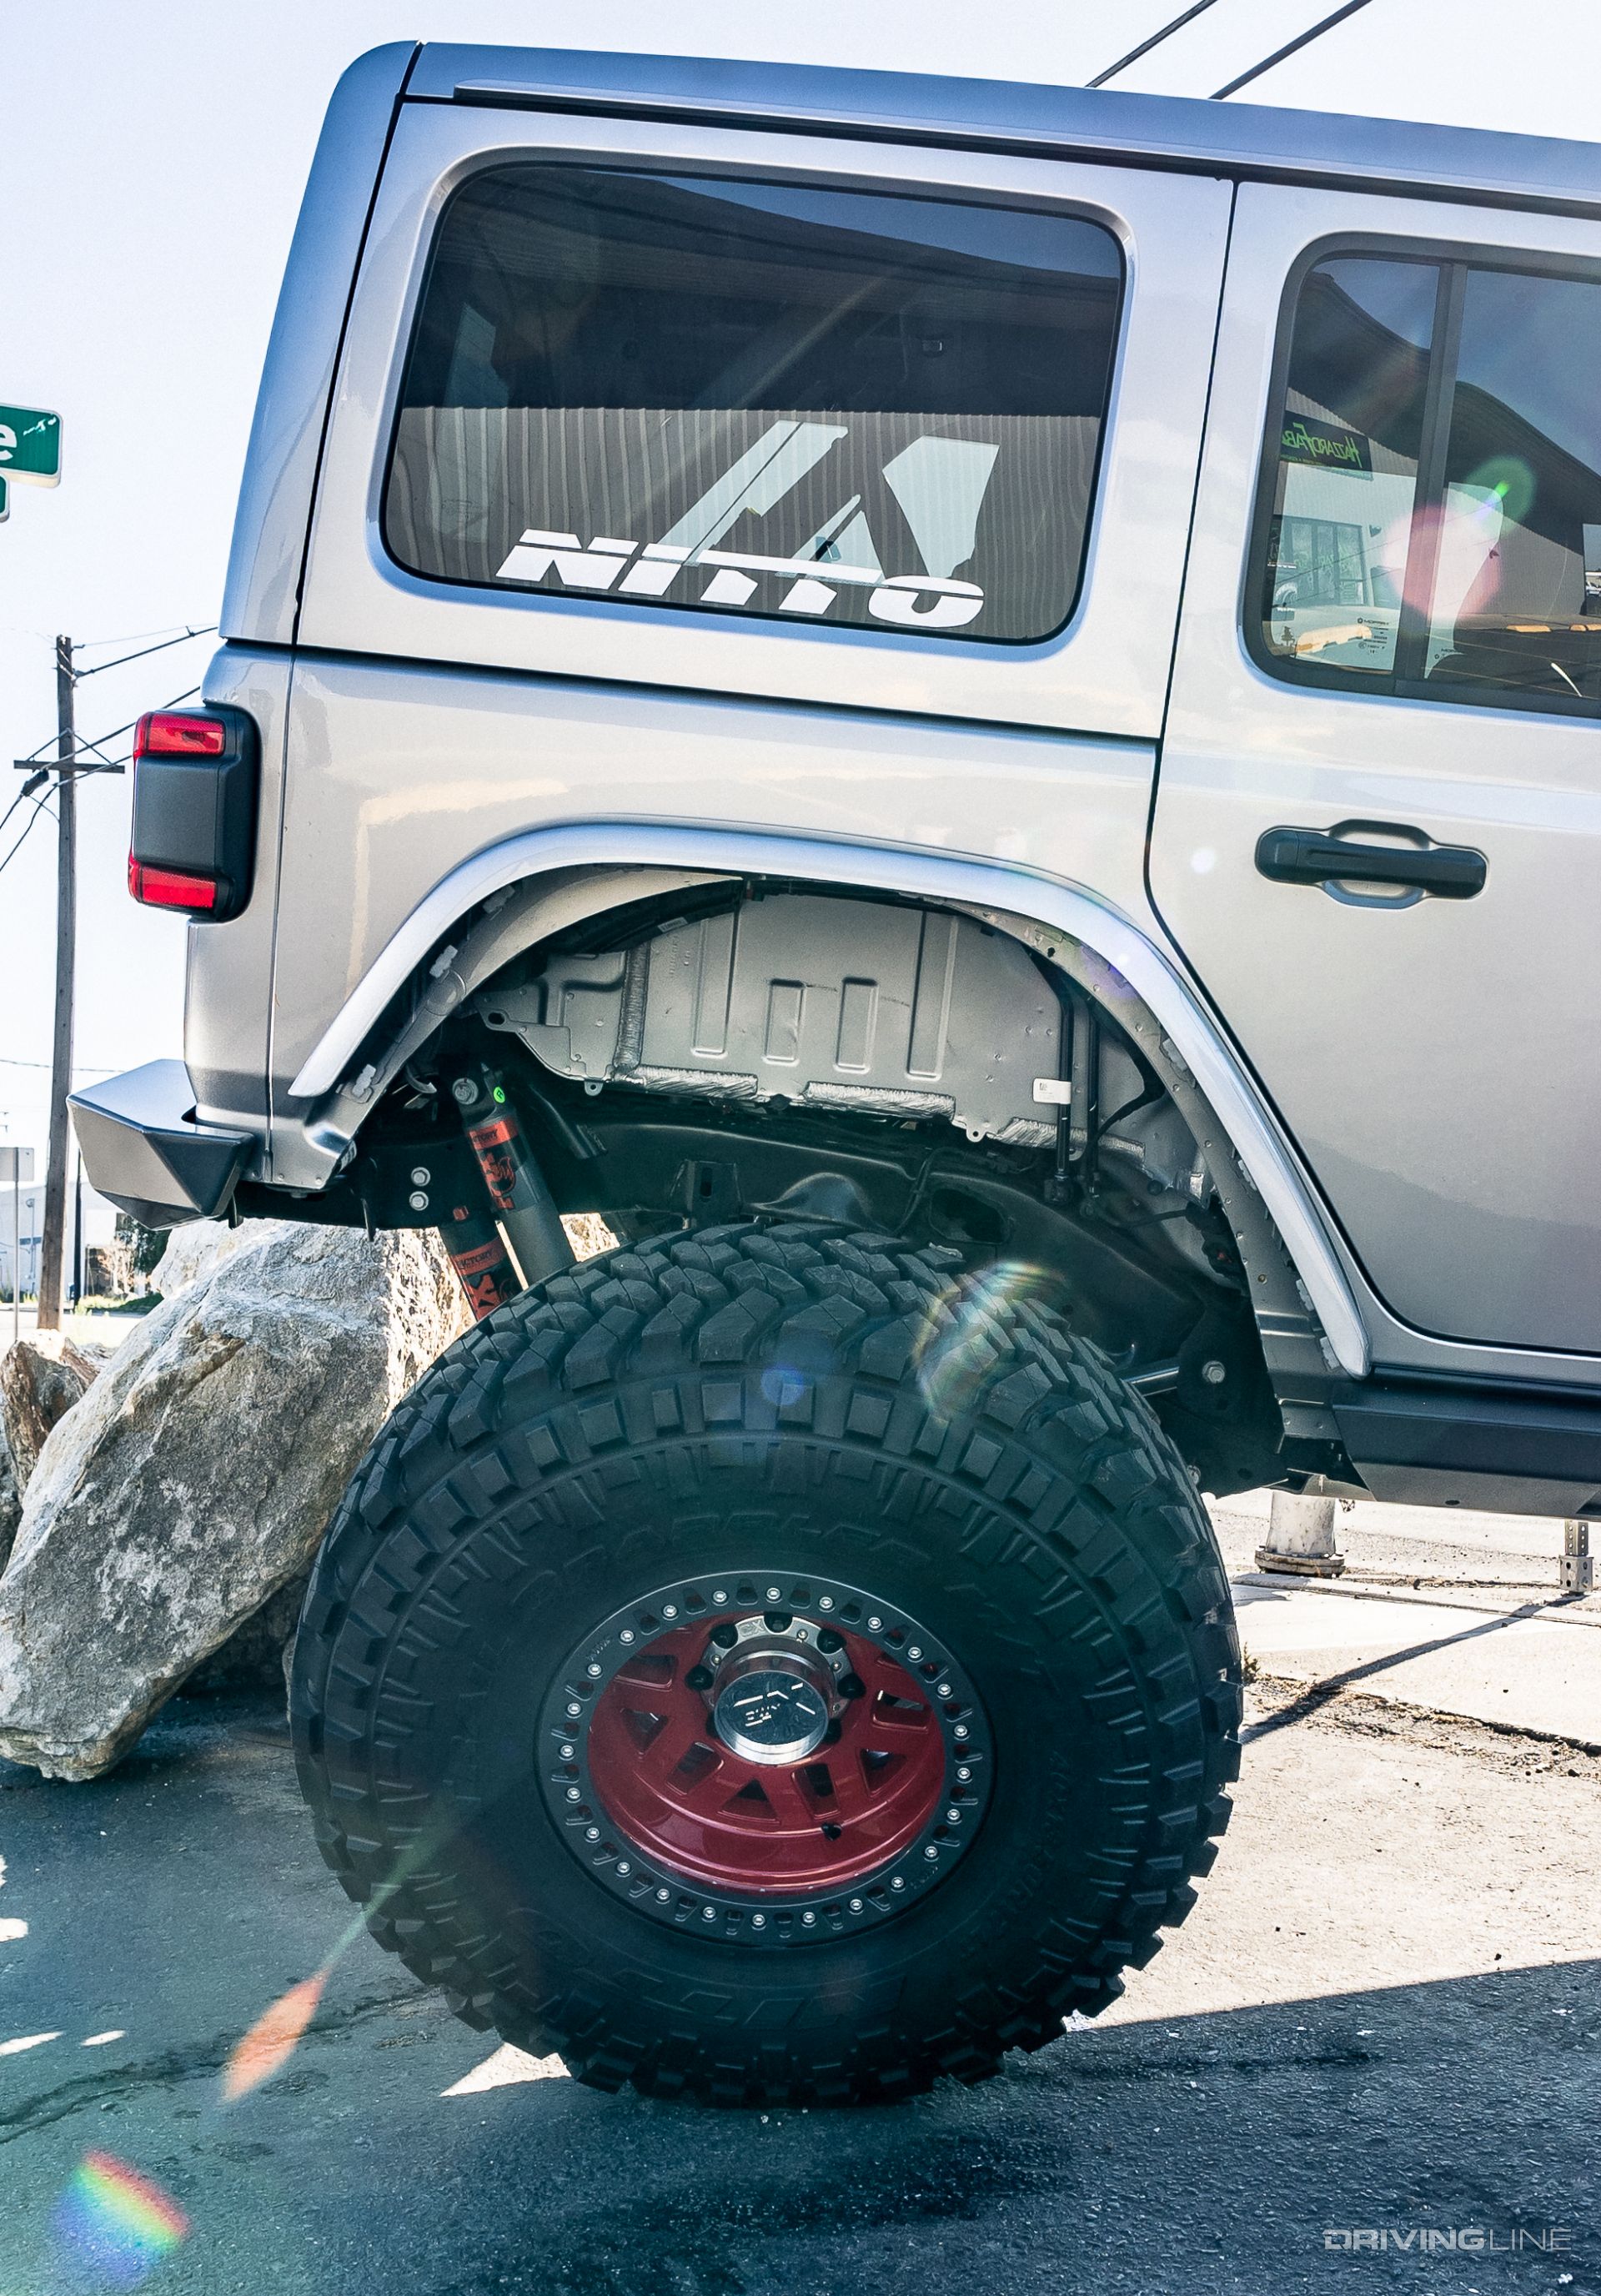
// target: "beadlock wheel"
[[765, 1761], [774, 1664]]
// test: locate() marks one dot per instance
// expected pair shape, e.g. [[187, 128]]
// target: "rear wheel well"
[[949, 1075]]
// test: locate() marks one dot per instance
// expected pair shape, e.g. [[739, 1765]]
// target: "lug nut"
[[698, 1678], [829, 1641], [725, 1637], [850, 1685], [777, 1622]]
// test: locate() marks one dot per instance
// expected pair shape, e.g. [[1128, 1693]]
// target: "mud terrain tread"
[[547, 1401]]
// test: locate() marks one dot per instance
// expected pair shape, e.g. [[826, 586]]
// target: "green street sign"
[[4, 502], [30, 446]]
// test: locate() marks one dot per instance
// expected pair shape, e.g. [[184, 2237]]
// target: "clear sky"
[[152, 161]]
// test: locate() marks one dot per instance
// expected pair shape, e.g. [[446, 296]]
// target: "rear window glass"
[[757, 400]]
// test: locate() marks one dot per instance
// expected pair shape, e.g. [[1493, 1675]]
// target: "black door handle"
[[1311, 857]]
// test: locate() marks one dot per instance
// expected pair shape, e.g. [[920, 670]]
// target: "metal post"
[[66, 950], [16, 1164], [78, 1227], [1578, 1575], [1301, 1538]]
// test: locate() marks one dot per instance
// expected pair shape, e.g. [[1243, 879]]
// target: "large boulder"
[[41, 1378], [11, 1499], [194, 1479]]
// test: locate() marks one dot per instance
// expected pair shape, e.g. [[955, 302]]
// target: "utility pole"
[[66, 951]]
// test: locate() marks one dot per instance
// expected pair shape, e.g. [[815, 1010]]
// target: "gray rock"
[[41, 1378], [195, 1477], [200, 1246], [11, 1500]]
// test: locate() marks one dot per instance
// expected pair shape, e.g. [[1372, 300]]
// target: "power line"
[[1145, 46], [40, 805], [127, 637], [207, 631], [78, 1067], [1290, 48], [100, 743]]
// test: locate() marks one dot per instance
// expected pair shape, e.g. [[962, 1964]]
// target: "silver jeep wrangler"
[[962, 707]]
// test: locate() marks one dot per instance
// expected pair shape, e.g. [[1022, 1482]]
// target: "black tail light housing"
[[196, 788]]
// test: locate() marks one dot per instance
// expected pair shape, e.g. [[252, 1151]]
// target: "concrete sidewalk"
[[1452, 1613]]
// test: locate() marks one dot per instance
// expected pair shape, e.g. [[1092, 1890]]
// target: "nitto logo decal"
[[939, 483]]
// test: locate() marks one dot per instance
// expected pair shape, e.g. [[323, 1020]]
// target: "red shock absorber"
[[523, 1204], [478, 1254]]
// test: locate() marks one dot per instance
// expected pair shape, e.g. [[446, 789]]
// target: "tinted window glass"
[[1516, 598], [1348, 458], [830, 406]]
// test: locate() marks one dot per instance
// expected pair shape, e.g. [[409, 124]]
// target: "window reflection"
[[1347, 476], [1518, 586]]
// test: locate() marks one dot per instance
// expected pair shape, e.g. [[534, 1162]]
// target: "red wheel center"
[[669, 1782]]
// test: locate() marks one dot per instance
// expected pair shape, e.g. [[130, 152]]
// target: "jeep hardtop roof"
[[1250, 140]]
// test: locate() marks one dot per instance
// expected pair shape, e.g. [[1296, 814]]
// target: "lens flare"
[[955, 1350], [118, 2222], [271, 2040]]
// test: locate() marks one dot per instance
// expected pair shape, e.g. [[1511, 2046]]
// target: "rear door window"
[[757, 400], [1434, 526]]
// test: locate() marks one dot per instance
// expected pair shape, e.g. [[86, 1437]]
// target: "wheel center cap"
[[772, 1714]]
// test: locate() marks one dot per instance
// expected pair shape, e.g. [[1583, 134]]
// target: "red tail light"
[[163, 734], [169, 889], [195, 795]]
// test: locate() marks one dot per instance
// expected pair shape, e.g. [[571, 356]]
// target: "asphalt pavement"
[[1382, 2020]]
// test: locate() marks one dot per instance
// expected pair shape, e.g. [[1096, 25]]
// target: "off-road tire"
[[938, 1436]]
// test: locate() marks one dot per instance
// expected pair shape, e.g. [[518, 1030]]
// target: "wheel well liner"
[[543, 880]]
